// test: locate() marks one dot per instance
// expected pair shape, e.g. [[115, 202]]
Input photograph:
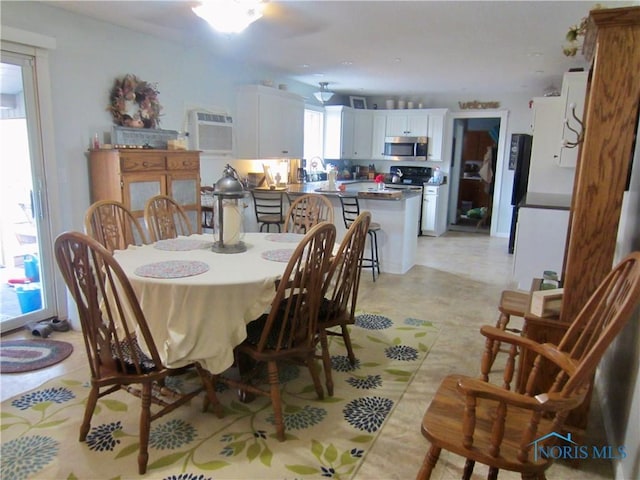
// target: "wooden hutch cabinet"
[[132, 176], [612, 46]]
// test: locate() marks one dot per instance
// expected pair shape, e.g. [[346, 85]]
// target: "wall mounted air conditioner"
[[212, 133]]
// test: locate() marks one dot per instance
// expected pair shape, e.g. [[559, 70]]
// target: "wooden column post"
[[611, 115]]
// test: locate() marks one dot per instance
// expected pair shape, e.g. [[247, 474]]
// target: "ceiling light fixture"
[[324, 95], [230, 16]]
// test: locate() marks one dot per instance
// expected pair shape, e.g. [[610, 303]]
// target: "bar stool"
[[350, 211], [269, 208]]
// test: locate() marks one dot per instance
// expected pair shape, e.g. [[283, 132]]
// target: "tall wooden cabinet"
[[604, 160], [133, 176], [603, 165]]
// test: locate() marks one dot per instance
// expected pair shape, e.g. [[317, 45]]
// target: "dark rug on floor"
[[18, 356]]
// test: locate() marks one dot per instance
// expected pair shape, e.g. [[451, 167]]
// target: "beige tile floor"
[[456, 285]]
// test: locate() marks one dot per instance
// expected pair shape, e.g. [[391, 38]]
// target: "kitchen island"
[[398, 218]]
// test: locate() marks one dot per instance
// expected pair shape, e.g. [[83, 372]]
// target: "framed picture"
[[358, 102]]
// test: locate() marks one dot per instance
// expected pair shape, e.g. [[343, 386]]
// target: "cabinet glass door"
[[186, 191], [139, 189]]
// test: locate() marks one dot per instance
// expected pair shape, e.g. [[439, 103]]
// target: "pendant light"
[[324, 95]]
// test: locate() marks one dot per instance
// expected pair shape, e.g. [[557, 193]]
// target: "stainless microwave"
[[405, 148]]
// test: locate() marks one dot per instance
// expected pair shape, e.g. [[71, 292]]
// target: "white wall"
[[89, 56], [518, 121], [618, 377]]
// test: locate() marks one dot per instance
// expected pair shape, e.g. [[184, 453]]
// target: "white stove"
[[410, 178]]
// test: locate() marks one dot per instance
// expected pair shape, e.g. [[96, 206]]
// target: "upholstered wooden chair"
[[120, 349], [306, 211], [505, 429], [165, 218], [288, 332], [341, 293], [113, 225], [269, 208]]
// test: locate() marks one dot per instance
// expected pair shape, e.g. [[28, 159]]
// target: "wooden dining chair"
[[269, 208], [306, 211], [113, 225], [513, 303], [341, 293], [509, 430], [165, 218], [207, 202], [288, 332], [115, 334]]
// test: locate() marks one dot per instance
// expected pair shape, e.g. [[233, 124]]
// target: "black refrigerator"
[[519, 157]]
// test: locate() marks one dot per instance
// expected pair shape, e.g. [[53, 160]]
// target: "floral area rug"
[[326, 438]]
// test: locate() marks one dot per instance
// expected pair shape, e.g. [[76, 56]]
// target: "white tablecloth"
[[203, 317]]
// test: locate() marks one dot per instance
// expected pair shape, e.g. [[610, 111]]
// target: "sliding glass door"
[[26, 260]]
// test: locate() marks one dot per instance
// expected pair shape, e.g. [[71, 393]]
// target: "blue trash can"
[[29, 298], [31, 268]]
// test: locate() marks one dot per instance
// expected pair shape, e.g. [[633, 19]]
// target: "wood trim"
[[605, 160]]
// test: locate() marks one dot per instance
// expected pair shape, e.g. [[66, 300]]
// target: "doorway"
[[475, 170], [27, 279]]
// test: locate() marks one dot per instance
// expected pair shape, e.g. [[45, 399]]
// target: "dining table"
[[197, 302]]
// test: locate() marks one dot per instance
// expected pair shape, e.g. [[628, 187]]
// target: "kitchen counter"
[[398, 218], [554, 201], [352, 187]]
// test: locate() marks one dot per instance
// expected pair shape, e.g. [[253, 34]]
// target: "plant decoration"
[[134, 103], [573, 35], [379, 178]]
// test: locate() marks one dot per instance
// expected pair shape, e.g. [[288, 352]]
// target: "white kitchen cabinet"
[[574, 92], [362, 134], [347, 133], [407, 123], [269, 123], [540, 243], [435, 132], [338, 131], [379, 131], [434, 210], [545, 175]]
